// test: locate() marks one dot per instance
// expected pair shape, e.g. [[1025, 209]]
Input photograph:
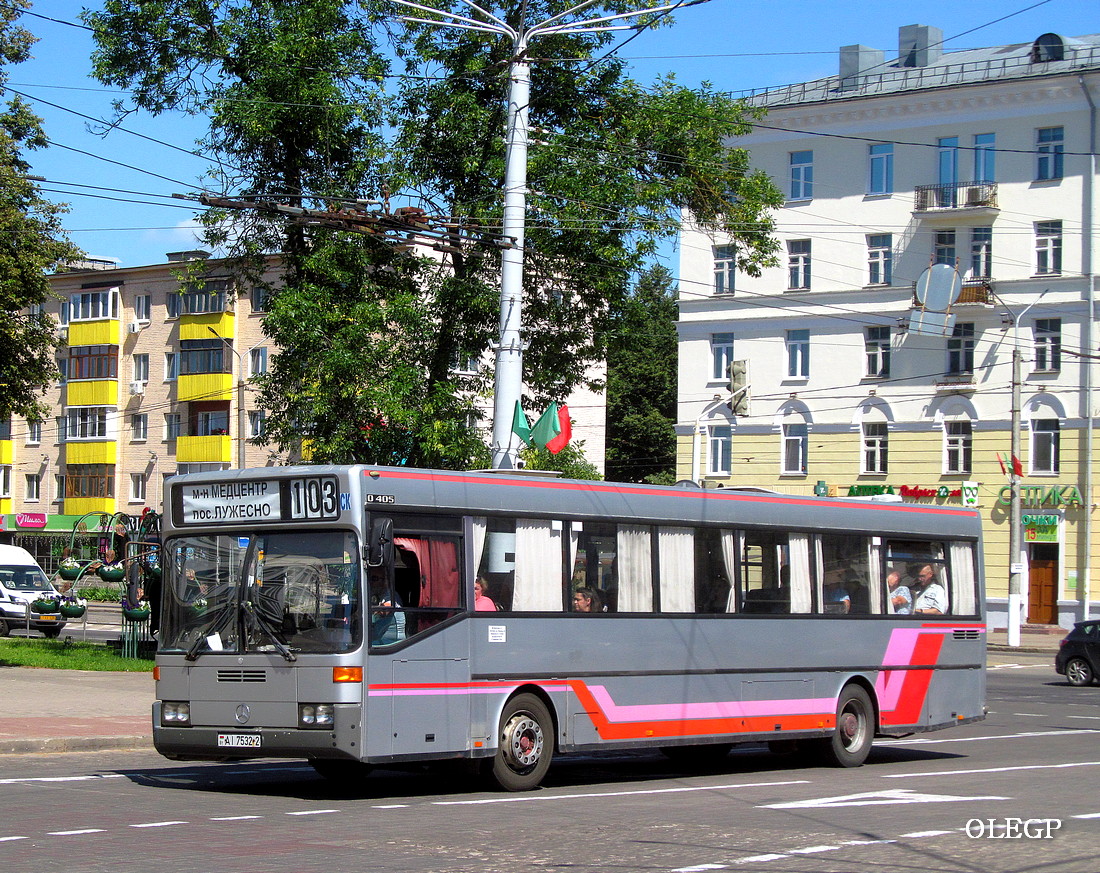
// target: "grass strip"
[[67, 654]]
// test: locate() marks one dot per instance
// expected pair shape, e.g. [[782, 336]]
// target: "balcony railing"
[[965, 195]]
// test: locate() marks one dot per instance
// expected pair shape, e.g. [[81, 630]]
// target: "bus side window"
[[715, 566], [844, 565], [764, 572]]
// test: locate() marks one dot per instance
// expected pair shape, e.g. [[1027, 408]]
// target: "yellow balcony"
[[91, 452], [198, 327], [7, 452], [204, 450], [205, 386], [6, 506], [104, 332], [92, 392], [83, 505]]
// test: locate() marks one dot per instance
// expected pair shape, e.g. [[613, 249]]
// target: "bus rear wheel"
[[525, 744], [851, 741]]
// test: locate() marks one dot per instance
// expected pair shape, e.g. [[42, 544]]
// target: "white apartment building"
[[984, 160]]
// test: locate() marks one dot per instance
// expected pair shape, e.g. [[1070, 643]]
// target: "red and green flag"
[[520, 426], [553, 430]]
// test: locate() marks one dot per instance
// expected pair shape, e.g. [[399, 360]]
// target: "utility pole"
[[509, 349]]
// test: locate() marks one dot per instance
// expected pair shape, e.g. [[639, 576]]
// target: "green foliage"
[[31, 244], [641, 384], [67, 654], [570, 461], [299, 114]]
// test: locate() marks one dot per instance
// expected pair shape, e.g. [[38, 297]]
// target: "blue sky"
[[129, 214]]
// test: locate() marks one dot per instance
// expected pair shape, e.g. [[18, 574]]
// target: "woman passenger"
[[586, 600]]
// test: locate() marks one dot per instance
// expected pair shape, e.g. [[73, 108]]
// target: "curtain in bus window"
[[874, 576], [733, 544], [676, 546], [799, 572], [439, 575], [635, 569], [962, 575], [479, 528], [538, 567]]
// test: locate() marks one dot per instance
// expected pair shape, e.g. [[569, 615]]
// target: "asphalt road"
[[951, 801]]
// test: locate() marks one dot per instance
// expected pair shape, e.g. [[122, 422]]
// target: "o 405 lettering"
[[380, 498]]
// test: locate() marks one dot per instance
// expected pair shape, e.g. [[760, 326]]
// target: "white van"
[[21, 582]]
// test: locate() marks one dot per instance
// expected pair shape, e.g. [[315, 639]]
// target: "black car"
[[1078, 657]]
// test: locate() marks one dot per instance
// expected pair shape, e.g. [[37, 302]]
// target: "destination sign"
[[310, 498]]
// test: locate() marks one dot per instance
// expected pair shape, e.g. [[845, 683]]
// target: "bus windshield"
[[268, 592]]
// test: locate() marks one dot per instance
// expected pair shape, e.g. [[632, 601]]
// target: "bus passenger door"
[[431, 706]]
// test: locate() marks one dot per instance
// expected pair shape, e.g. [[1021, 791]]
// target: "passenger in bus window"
[[387, 619], [931, 598], [901, 599], [586, 600], [482, 601], [835, 596]]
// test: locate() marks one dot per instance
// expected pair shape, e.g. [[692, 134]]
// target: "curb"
[[76, 744], [1027, 650]]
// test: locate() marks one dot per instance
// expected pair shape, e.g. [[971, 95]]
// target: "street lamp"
[[509, 362]]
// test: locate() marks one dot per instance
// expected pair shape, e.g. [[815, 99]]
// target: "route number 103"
[[314, 497]]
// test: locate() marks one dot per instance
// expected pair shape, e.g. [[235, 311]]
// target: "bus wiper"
[[258, 622]]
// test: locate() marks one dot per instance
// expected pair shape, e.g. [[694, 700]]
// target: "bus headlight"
[[175, 713], [315, 715]]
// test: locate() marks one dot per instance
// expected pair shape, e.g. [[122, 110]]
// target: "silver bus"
[[356, 615]]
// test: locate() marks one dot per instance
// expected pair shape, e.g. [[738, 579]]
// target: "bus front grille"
[[242, 676]]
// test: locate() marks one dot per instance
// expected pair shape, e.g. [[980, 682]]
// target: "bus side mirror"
[[380, 547]]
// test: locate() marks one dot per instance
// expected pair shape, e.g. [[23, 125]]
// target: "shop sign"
[[1041, 528], [1042, 495], [30, 519], [941, 492]]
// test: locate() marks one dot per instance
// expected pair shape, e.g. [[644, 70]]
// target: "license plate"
[[251, 741], [47, 618]]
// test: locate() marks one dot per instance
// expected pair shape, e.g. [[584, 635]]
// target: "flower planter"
[[141, 614], [112, 572], [69, 572], [73, 610], [44, 606]]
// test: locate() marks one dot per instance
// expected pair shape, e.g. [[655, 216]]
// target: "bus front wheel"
[[525, 744], [855, 729]]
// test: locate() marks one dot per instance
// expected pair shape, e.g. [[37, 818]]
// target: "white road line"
[[391, 806], [866, 842], [1088, 815], [534, 797], [75, 833], [991, 770], [313, 812], [21, 779], [1090, 717], [916, 835], [235, 817], [813, 850], [699, 868], [1022, 734], [158, 824], [755, 859], [9, 839]]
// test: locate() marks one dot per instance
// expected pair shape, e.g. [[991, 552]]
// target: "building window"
[[948, 164], [725, 268], [260, 294], [795, 439], [34, 432], [721, 356], [141, 368], [985, 154], [213, 423], [874, 447], [86, 423], [59, 422], [881, 180], [944, 250], [877, 346], [1048, 247], [5, 481], [798, 353], [142, 307], [720, 449], [802, 175], [137, 487], [880, 259], [256, 424], [958, 438], [960, 350], [139, 427], [93, 305], [59, 481], [171, 425], [257, 362], [1049, 144], [89, 480], [210, 297], [203, 356], [798, 264], [171, 366], [1048, 344], [33, 488], [981, 252], [172, 304], [62, 371], [1045, 445], [93, 362]]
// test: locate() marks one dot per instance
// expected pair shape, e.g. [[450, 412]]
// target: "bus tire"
[[1078, 672], [855, 729], [340, 772], [525, 744]]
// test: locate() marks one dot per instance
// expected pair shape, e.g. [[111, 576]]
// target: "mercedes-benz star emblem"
[[243, 712]]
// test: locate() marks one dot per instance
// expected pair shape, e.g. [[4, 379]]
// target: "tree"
[[371, 338], [641, 384], [31, 244]]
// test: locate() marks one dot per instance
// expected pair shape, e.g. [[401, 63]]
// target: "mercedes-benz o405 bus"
[[362, 615]]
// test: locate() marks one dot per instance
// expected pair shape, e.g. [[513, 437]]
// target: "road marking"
[[916, 835], [9, 839], [991, 770], [875, 798], [1028, 714], [313, 812], [158, 824], [922, 742], [75, 833], [1088, 815], [391, 806], [235, 817], [534, 797], [1091, 717], [754, 859], [17, 780], [699, 868], [813, 850]]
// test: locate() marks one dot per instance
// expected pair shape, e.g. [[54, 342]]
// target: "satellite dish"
[[938, 287], [924, 322]]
